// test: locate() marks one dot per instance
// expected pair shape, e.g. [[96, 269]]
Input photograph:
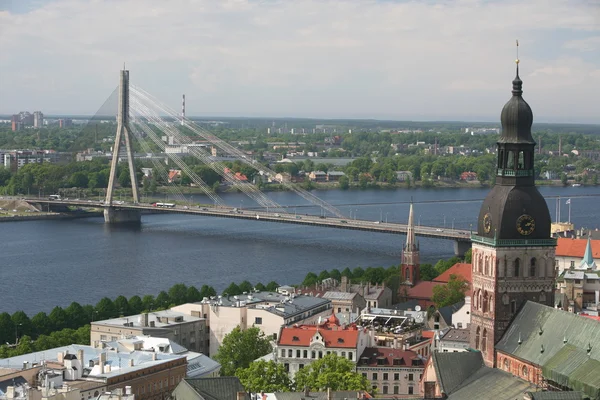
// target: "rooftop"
[[156, 319], [457, 335], [567, 247], [339, 295], [386, 356], [329, 333], [118, 361]]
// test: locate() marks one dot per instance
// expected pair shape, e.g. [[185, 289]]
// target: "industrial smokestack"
[[183, 111]]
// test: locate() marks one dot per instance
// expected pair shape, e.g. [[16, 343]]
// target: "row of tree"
[[63, 337]]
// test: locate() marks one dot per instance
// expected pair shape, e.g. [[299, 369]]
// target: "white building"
[[454, 341], [267, 310], [300, 345]]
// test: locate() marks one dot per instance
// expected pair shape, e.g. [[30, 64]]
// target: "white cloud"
[[302, 58]]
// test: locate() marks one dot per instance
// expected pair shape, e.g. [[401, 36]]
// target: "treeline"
[[64, 337]]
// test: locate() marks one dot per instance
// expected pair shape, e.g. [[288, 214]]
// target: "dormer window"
[[295, 339], [340, 340]]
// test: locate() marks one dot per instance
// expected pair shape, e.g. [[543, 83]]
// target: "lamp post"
[[419, 219], [380, 215], [386, 219], [17, 333], [444, 221], [453, 223], [355, 211]]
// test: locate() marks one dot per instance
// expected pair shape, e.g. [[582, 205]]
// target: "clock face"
[[487, 223], [525, 224]]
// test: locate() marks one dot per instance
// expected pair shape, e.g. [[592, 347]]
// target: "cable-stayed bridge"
[[145, 120]]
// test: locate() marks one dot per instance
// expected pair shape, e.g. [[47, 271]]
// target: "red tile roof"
[[462, 269], [567, 247], [334, 336], [422, 290], [385, 357], [591, 317]]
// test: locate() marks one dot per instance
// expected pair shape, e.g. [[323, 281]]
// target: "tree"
[[148, 303], [42, 325], [178, 294], [135, 305], [124, 178], [193, 295], [7, 328], [563, 179], [469, 256], [59, 318], [163, 300], [336, 274], [323, 275], [266, 376], [239, 348], [232, 290], [272, 286], [121, 307], [24, 346], [246, 286], [260, 287], [344, 182], [428, 272], [22, 321], [331, 371], [310, 279], [450, 293], [207, 291], [76, 316], [105, 309]]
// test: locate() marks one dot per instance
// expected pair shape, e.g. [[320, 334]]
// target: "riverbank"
[[48, 216]]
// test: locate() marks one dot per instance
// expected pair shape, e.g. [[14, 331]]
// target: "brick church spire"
[[410, 253]]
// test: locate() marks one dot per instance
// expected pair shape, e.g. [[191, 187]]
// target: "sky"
[[380, 59]]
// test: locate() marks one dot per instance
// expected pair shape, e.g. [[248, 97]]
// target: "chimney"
[[153, 356], [61, 357], [131, 362], [145, 319], [241, 395], [329, 394], [102, 361], [107, 368], [80, 357], [127, 390], [10, 392], [25, 364]]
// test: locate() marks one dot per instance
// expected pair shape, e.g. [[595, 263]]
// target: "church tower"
[[410, 253], [513, 252]]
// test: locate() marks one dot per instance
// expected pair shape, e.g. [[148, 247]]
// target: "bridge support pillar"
[[461, 247], [120, 216]]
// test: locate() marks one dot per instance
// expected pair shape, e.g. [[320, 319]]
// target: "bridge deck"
[[279, 217]]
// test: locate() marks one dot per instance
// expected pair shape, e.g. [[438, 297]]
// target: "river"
[[49, 263]]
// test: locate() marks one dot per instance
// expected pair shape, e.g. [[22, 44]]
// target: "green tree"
[[239, 348], [272, 286], [163, 300], [336, 274], [105, 309], [59, 318], [25, 345], [121, 307], [427, 272], [331, 371], [310, 279], [260, 287], [563, 179], [124, 179], [7, 328], [44, 342], [347, 273], [450, 293], [135, 305], [42, 325], [232, 290], [76, 315], [469, 256], [207, 291], [323, 275], [22, 321], [148, 303], [246, 286], [178, 294], [344, 182], [266, 376], [193, 295]]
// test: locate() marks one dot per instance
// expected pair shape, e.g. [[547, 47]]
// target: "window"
[[258, 320], [339, 309], [374, 376], [320, 354], [282, 352], [410, 390], [484, 341], [385, 376], [513, 306], [410, 377], [524, 372], [113, 338], [396, 376], [521, 162], [290, 353], [572, 264], [396, 389], [385, 390], [364, 374], [517, 267], [477, 338], [350, 355], [287, 367], [313, 354], [506, 364], [300, 366], [577, 281], [305, 353], [102, 337], [297, 353], [532, 268]]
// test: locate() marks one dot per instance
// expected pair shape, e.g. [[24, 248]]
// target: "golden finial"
[[517, 60]]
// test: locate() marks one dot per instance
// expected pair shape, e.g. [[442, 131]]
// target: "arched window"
[[532, 268], [480, 300], [517, 268], [524, 372], [506, 364], [407, 274], [487, 266], [510, 162], [521, 162], [484, 341], [500, 158], [480, 264], [477, 338], [485, 302]]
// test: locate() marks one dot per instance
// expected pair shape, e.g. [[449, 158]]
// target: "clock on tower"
[[513, 252]]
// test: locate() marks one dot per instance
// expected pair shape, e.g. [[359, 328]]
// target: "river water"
[[49, 263]]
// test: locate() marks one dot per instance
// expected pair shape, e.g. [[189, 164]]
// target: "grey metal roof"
[[339, 295], [154, 316], [556, 326], [457, 335], [220, 388], [452, 369], [491, 383], [341, 395], [446, 312]]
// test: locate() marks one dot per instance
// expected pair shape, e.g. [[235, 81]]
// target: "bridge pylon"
[[112, 214]]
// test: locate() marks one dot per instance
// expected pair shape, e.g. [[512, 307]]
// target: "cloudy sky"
[[418, 60]]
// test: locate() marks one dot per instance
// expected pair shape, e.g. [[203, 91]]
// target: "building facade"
[[513, 252]]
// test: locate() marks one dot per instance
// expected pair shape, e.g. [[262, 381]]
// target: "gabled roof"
[[457, 335], [422, 290], [491, 383], [333, 336], [556, 395], [448, 311], [588, 259], [389, 357], [221, 388], [452, 369], [463, 269], [565, 345]]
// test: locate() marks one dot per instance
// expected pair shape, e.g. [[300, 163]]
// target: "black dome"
[[506, 204], [516, 117]]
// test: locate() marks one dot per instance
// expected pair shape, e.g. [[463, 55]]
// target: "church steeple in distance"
[[513, 252], [410, 253]]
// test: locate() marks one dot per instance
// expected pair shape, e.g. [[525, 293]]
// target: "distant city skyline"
[[396, 60]]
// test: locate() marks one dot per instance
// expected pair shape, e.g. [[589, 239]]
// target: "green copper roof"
[[573, 368], [588, 260]]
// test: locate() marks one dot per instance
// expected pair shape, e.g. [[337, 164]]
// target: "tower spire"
[[410, 230], [588, 258]]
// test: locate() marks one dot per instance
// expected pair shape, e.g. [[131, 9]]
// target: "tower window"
[[513, 307], [521, 161], [477, 338], [484, 341], [532, 268], [517, 268], [510, 162], [500, 158]]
